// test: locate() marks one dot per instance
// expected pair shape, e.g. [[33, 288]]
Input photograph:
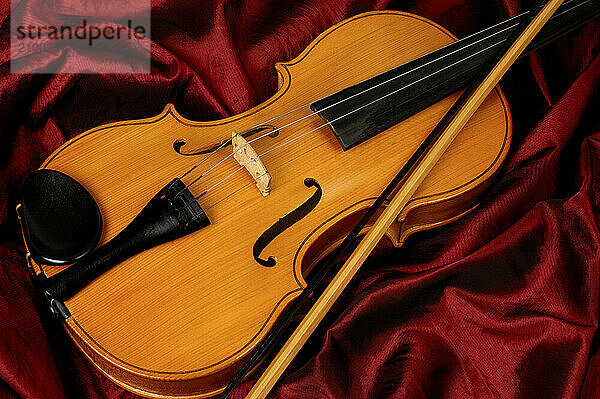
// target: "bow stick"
[[409, 179]]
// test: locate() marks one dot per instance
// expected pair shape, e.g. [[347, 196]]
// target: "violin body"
[[178, 320]]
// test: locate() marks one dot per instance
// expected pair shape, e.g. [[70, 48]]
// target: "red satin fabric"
[[503, 303]]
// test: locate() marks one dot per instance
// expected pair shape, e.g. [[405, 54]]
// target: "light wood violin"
[[170, 247]]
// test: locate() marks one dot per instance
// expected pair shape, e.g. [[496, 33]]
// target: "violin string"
[[329, 106], [229, 139], [223, 144], [336, 119], [343, 100]]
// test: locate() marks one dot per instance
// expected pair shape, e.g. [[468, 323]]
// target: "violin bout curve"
[[130, 322]]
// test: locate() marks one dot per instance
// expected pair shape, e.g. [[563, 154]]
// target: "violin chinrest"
[[61, 220]]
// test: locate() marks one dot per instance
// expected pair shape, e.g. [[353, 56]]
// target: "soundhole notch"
[[285, 223]]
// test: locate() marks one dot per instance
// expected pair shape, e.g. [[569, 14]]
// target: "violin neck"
[[360, 112]]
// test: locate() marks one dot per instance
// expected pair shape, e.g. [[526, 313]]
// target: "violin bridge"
[[248, 158]]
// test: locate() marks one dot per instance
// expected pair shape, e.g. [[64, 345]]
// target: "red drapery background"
[[503, 303]]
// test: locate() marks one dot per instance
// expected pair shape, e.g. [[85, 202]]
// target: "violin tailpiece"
[[172, 213]]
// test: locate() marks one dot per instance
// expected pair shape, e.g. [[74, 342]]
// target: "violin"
[[170, 247]]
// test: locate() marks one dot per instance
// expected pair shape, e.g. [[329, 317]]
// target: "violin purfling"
[[235, 213]]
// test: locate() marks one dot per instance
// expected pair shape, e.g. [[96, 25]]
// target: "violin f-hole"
[[285, 223], [178, 144]]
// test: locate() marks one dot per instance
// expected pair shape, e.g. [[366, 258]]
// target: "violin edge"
[[96, 357]]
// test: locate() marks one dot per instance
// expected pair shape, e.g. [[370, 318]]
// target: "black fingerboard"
[[366, 109]]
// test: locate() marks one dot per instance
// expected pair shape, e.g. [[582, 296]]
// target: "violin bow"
[[408, 180]]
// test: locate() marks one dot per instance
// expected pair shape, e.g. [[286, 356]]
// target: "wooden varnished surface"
[[177, 320]]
